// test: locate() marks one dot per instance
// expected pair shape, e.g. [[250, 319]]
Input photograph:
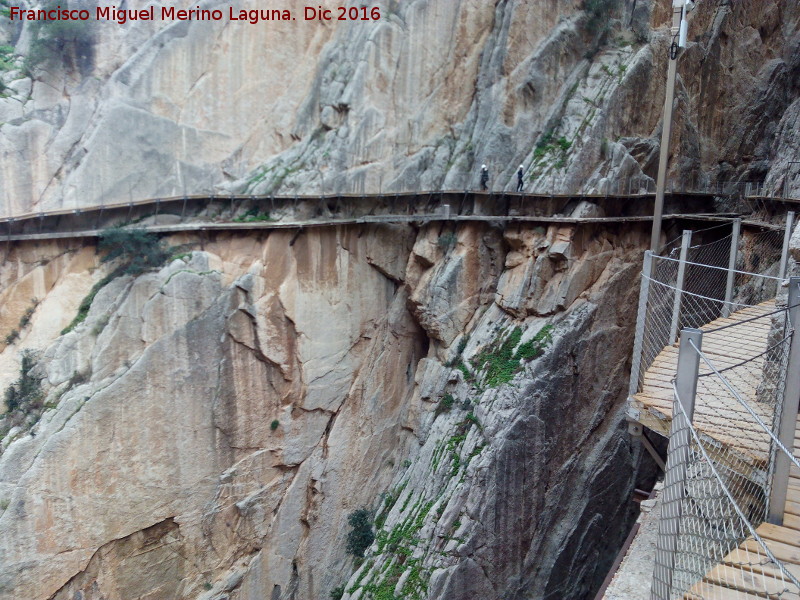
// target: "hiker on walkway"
[[520, 173], [484, 178]]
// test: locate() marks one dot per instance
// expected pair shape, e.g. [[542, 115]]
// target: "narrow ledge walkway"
[[729, 580]]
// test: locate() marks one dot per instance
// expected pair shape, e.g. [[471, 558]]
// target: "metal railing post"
[[727, 308], [688, 368], [677, 461], [788, 418], [787, 236], [686, 241], [638, 344]]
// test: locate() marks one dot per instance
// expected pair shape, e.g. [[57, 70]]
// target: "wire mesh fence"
[[713, 543], [724, 459], [692, 285]]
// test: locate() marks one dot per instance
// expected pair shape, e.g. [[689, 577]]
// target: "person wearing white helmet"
[[484, 178], [520, 173]]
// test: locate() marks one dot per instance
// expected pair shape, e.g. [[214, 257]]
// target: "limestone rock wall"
[[418, 100], [211, 425]]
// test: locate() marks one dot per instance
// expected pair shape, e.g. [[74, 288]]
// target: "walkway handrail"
[[707, 537], [698, 288], [734, 409]]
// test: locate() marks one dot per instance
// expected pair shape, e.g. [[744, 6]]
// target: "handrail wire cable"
[[736, 395], [735, 504]]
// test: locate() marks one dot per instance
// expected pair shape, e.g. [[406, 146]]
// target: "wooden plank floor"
[[744, 574], [717, 413]]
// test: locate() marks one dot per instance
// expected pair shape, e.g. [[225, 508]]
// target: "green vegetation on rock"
[[138, 251], [360, 536], [500, 361], [60, 42], [27, 389]]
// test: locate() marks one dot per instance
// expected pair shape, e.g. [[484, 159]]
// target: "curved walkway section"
[[716, 413], [726, 395]]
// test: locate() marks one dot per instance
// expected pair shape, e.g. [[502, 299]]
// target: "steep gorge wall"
[[210, 426], [416, 101]]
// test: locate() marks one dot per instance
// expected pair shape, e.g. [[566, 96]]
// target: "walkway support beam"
[[788, 418]]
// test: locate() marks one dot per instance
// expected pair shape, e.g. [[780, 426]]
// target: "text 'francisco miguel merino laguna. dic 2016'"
[[170, 13]]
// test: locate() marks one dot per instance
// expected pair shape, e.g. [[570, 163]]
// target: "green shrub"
[[534, 347], [274, 425], [599, 15], [447, 240], [139, 250], [445, 404], [6, 58], [500, 361], [337, 593], [26, 316], [361, 535], [59, 43], [27, 389], [253, 216]]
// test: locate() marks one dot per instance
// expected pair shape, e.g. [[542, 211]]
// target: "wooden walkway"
[[717, 413], [200, 213], [719, 416], [754, 582]]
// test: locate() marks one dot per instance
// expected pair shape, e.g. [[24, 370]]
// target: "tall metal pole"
[[727, 308], [666, 132], [791, 401]]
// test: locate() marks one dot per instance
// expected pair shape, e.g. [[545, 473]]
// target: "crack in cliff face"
[[283, 493], [133, 548]]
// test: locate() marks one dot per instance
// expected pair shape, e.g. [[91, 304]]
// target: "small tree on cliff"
[[139, 250], [60, 42], [361, 536]]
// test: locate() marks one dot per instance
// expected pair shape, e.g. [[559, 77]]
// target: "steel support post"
[[787, 236], [788, 417], [686, 241], [727, 308], [641, 316], [677, 461]]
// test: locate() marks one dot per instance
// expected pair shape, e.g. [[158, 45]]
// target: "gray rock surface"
[[228, 411], [419, 99]]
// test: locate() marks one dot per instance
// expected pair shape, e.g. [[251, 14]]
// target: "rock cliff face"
[[417, 100], [210, 425]]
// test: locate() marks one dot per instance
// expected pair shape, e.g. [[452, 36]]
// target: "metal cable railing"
[[690, 285], [731, 420], [713, 541]]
